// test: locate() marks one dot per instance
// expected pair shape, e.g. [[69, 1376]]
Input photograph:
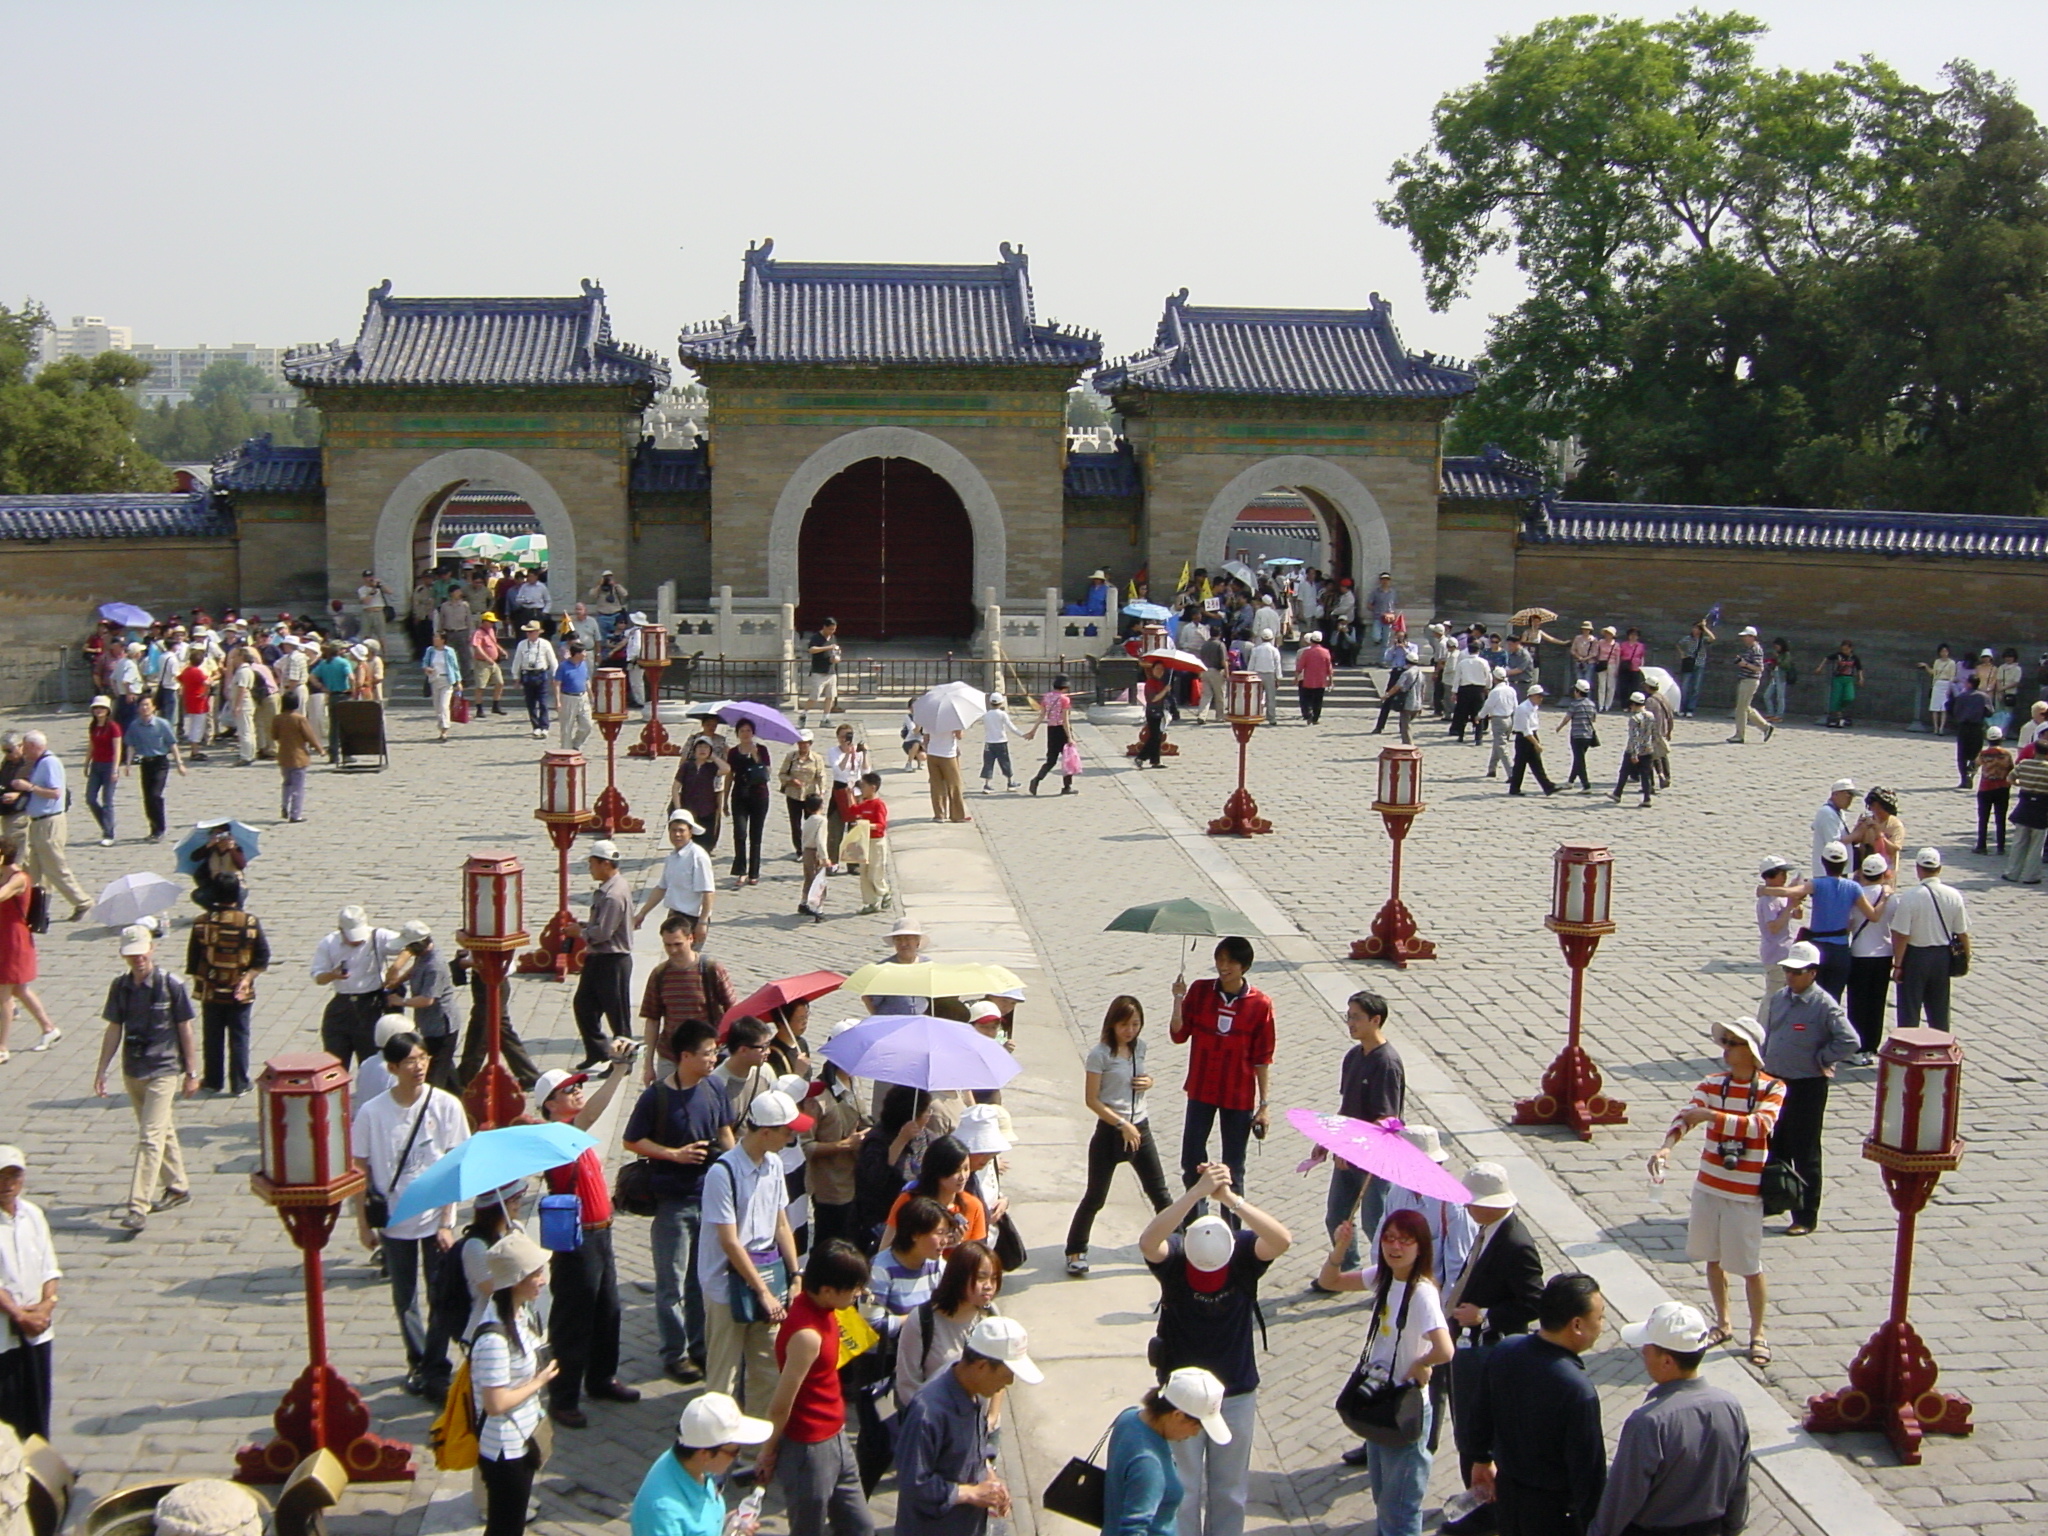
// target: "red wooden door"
[[886, 549]]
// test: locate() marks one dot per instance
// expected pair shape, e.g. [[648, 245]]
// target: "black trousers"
[[1528, 759], [1523, 1509], [583, 1324], [507, 1487], [475, 1041], [830, 1221], [1969, 742], [796, 823], [1152, 737], [1643, 768], [1870, 977], [413, 1266], [348, 1026], [604, 992], [1796, 1140], [1992, 805], [1055, 741], [749, 820], [26, 1375], [156, 771], [1924, 985], [1312, 705], [1106, 1150], [1465, 711], [1580, 746], [1390, 703], [1196, 1122], [224, 1025]]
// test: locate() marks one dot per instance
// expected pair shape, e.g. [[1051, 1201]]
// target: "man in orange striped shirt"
[[1739, 1108]]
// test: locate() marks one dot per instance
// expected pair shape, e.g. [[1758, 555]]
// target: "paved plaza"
[[173, 1345]]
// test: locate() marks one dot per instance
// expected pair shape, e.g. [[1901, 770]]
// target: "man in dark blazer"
[[1495, 1298]]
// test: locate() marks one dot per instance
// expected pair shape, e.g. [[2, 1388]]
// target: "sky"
[[214, 172]]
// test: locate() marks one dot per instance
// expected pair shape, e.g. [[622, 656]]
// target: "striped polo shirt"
[[1741, 1111]]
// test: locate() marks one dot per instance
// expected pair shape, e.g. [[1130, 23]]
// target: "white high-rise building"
[[86, 336]]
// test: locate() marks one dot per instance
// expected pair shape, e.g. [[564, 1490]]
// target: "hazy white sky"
[[216, 172]]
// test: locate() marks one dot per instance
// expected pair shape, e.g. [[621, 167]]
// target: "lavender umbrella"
[[919, 1051], [769, 724]]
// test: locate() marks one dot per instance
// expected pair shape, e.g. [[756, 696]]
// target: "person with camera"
[[1208, 1301], [1806, 1033], [1725, 1230]]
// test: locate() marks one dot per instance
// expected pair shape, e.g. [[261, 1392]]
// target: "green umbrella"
[[529, 544], [1182, 915], [487, 545]]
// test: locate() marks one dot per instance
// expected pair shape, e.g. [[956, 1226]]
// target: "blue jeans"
[[1195, 1126], [414, 1267], [534, 685], [1216, 1479], [1689, 691], [1400, 1478], [99, 795], [1773, 704], [994, 757], [678, 1299], [1353, 1189]]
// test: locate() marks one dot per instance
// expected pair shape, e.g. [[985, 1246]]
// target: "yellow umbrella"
[[885, 978]]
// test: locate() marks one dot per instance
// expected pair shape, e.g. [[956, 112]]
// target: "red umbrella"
[[1176, 661], [780, 994]]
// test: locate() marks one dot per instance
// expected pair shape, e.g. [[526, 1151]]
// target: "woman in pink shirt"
[[1628, 664], [1312, 668], [1054, 710]]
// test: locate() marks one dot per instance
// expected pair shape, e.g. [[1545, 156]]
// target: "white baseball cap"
[[1834, 852], [1671, 1325], [137, 940], [1535, 689], [772, 1109], [389, 1028], [1801, 957], [552, 1082], [13, 1157], [1004, 1339], [1874, 865], [415, 932], [604, 848], [794, 1084], [1209, 1243], [1582, 686], [1927, 858], [713, 1419], [354, 924], [1487, 1184], [906, 928], [1747, 629], [982, 1009], [1771, 866], [1199, 1395]]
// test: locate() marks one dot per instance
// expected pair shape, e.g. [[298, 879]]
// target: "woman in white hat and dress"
[[507, 1379]]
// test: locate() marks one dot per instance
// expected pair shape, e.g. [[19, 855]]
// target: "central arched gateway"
[[887, 549]]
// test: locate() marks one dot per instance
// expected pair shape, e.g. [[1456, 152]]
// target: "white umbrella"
[[1663, 684], [133, 897], [949, 707]]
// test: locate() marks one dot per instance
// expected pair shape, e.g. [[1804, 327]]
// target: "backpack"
[[454, 1430]]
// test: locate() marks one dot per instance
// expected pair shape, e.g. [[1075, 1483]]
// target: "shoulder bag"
[[633, 1184], [1782, 1187], [1382, 1412], [1079, 1488], [1958, 943], [377, 1204], [38, 914]]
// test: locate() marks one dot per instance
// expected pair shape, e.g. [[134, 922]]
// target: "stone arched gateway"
[[433, 479], [984, 514], [1330, 487]]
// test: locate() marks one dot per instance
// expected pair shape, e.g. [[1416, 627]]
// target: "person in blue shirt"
[[1836, 910], [572, 697], [1141, 1490], [680, 1494]]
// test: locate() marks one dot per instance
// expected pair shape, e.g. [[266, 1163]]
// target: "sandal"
[[1719, 1334], [1759, 1351], [1798, 1231]]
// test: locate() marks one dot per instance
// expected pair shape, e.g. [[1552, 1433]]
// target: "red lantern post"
[[1913, 1138], [611, 702], [653, 740], [560, 951], [493, 926], [1393, 935], [1582, 889], [304, 1172], [1246, 703]]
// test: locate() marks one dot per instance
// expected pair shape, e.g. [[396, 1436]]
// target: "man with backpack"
[[1208, 1301], [684, 986]]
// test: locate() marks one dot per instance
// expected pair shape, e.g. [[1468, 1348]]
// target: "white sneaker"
[[106, 842]]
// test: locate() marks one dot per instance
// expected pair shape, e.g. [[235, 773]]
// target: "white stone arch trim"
[[1371, 547], [402, 508], [984, 514]]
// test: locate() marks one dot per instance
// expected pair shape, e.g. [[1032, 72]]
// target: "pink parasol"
[[1379, 1148]]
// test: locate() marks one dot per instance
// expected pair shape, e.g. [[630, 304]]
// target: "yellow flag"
[[856, 1335], [1187, 571], [1132, 591]]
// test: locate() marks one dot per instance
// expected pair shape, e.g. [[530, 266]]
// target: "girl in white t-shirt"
[[1406, 1339]]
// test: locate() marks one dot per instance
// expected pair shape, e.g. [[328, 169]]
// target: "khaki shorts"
[[489, 674], [1727, 1230]]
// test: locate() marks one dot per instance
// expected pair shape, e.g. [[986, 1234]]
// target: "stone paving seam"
[[1810, 1475]]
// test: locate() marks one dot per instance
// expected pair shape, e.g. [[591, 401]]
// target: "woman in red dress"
[[18, 949]]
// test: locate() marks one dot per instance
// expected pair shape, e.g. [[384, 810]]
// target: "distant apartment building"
[[173, 371], [85, 336]]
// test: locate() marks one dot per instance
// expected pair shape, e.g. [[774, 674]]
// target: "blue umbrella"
[[195, 842], [1151, 611], [769, 724], [125, 613], [920, 1051], [489, 1159]]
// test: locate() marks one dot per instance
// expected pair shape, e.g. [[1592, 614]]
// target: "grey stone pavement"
[[175, 1344]]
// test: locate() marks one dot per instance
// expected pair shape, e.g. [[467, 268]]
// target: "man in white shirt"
[[750, 1247], [395, 1138], [584, 627], [1529, 743], [1831, 822], [353, 960], [534, 662], [1923, 920], [28, 1299], [1470, 677], [686, 883], [371, 597], [1264, 659], [1494, 717]]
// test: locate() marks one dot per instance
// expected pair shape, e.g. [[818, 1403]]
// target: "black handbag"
[[377, 1204], [38, 914], [633, 1188], [1009, 1245], [1958, 943], [1382, 1412], [1078, 1488], [1783, 1189]]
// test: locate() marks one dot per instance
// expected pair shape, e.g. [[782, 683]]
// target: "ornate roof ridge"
[[1554, 520]]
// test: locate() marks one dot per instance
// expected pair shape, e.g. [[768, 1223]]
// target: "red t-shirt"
[[875, 813], [1228, 1037], [105, 743], [194, 691], [1312, 667], [584, 1179], [819, 1411]]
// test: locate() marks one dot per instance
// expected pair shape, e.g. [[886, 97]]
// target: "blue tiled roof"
[[818, 312], [1779, 528], [1340, 354], [260, 467], [1113, 474], [117, 515], [671, 469], [480, 343], [1492, 475]]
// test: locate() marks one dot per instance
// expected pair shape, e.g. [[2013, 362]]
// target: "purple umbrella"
[[769, 724], [918, 1051], [1379, 1148], [125, 613]]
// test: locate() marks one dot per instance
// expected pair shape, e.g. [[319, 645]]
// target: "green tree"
[[71, 427], [1745, 285], [218, 419]]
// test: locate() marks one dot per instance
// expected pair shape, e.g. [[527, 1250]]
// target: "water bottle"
[[1461, 1505], [745, 1519]]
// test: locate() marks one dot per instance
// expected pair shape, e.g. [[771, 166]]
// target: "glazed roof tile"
[[1094, 475], [671, 469], [136, 515], [260, 467], [1780, 528], [1492, 475]]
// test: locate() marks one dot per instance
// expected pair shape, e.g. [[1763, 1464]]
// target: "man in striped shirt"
[[1739, 1109]]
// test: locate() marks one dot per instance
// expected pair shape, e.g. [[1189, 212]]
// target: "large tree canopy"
[[218, 418], [1747, 285], [71, 428]]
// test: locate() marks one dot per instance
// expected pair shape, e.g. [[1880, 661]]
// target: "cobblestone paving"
[[1492, 1007]]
